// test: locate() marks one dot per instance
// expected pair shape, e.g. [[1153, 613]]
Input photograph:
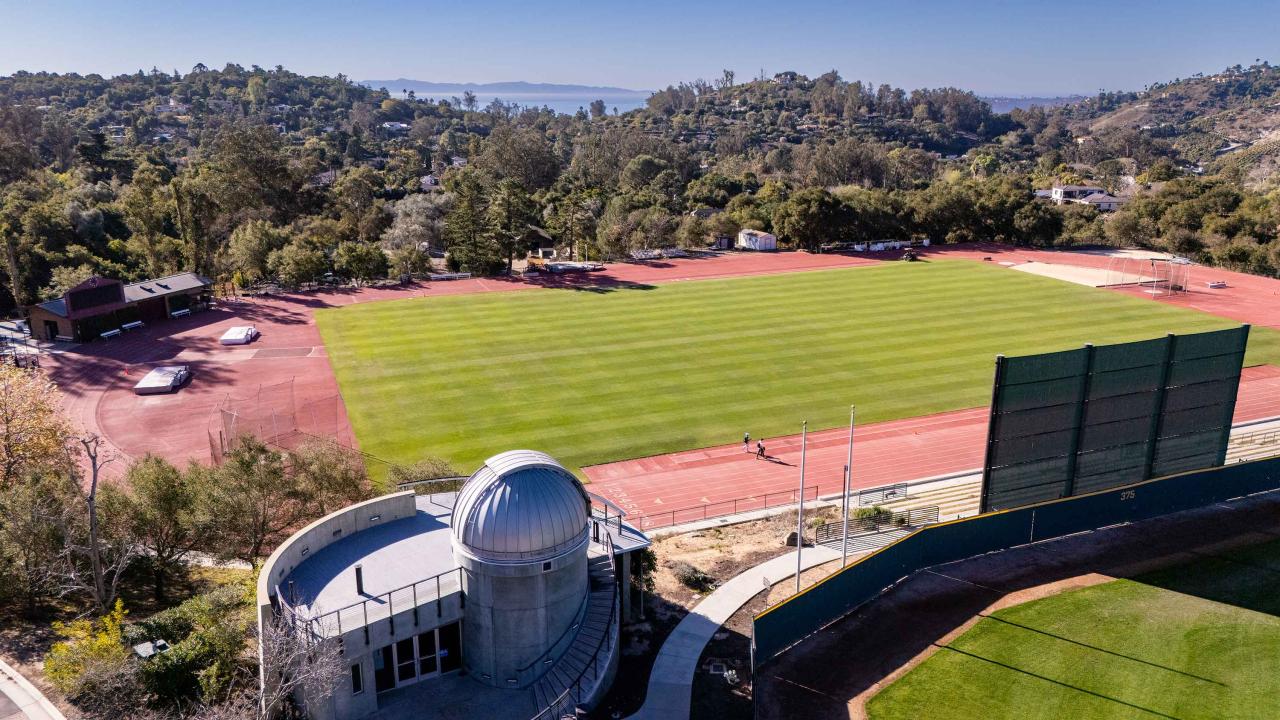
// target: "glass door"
[[428, 665], [383, 677], [450, 647], [406, 661]]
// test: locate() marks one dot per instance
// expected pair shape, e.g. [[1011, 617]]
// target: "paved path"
[[20, 700], [671, 681]]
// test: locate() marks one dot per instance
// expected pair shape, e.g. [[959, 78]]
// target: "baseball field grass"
[[1196, 642], [603, 374]]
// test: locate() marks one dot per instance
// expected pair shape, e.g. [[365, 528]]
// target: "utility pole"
[[848, 482], [804, 439]]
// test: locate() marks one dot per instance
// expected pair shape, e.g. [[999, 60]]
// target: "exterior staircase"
[[581, 661]]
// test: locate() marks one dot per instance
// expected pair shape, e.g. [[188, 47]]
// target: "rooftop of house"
[[167, 285], [57, 306], [144, 290], [1100, 197]]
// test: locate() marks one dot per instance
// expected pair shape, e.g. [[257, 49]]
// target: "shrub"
[[207, 636], [92, 666], [431, 468], [691, 577]]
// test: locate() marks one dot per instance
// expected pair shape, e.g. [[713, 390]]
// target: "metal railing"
[[875, 522], [1259, 438], [708, 511], [383, 606], [884, 493], [567, 702]]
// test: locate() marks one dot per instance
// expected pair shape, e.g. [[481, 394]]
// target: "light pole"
[[804, 439], [848, 481]]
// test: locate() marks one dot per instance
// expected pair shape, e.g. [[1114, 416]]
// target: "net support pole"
[[848, 482], [804, 439], [1157, 417], [1077, 427], [985, 503]]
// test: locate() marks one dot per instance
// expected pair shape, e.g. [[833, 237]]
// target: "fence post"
[[984, 505], [1231, 403], [1157, 418], [1078, 426]]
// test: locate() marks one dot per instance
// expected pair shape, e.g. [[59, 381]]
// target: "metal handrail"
[[912, 518], [1261, 437], [559, 703], [577, 621], [316, 625], [730, 507]]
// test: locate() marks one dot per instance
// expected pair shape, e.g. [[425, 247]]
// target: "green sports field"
[[1196, 642], [597, 375]]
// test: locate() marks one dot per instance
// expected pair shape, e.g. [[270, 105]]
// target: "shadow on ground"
[[820, 678]]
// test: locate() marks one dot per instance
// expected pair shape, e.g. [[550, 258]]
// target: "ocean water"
[[565, 104]]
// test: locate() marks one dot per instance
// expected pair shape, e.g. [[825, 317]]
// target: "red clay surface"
[[686, 486], [97, 378], [1248, 298]]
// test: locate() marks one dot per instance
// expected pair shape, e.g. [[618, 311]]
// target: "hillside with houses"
[[250, 175]]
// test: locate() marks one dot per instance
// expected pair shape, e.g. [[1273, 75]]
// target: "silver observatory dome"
[[521, 506]]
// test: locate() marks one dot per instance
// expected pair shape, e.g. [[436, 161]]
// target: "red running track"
[[1251, 299], [678, 487], [96, 378]]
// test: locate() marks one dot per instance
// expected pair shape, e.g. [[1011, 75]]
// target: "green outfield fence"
[[1073, 422], [788, 623]]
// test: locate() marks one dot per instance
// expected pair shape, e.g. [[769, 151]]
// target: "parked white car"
[[164, 379], [239, 335]]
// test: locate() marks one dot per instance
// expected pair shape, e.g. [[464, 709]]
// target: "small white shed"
[[756, 240]]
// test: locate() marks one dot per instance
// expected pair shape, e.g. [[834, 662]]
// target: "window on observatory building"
[[405, 670], [357, 679]]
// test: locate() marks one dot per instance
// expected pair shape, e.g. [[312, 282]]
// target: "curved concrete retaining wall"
[[319, 534]]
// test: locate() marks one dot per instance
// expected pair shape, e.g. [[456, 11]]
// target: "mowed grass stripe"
[[1200, 640], [593, 377]]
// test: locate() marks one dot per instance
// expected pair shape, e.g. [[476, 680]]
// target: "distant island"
[[520, 88]]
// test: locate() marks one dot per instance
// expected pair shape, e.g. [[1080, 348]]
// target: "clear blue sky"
[[989, 46]]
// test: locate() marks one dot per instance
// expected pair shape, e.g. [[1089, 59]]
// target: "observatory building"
[[503, 599]]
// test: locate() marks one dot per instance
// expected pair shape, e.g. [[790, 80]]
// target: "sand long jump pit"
[[1090, 276]]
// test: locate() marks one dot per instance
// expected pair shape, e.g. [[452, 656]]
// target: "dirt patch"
[[720, 553], [722, 695], [283, 352]]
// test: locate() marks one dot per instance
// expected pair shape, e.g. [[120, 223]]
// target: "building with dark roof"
[[100, 305]]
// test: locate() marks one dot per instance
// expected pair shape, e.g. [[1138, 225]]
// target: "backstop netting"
[[273, 414]]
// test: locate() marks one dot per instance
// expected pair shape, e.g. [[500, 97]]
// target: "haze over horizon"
[[991, 47]]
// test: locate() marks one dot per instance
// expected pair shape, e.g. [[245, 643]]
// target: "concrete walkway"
[[671, 681], [20, 700]]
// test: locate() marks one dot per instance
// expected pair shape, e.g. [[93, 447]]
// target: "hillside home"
[[1068, 193]]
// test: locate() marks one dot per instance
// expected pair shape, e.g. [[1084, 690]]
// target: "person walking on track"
[[746, 442], [759, 449]]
